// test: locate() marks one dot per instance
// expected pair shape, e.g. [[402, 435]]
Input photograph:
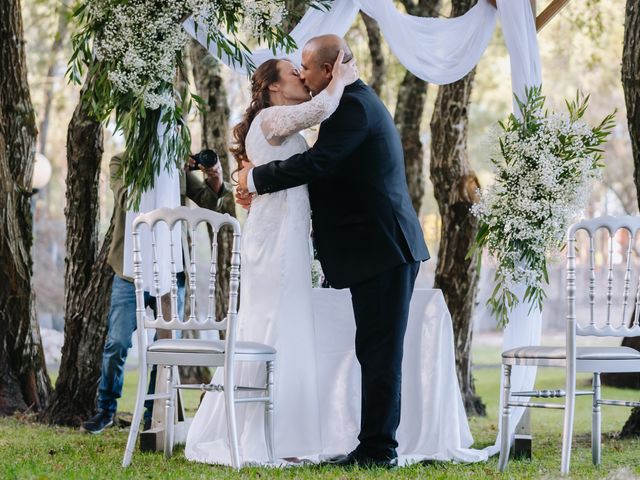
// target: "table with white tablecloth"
[[433, 423]]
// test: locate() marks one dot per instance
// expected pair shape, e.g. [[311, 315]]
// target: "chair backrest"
[[617, 264], [191, 218]]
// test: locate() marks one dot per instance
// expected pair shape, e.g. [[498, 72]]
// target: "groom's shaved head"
[[325, 48], [318, 56]]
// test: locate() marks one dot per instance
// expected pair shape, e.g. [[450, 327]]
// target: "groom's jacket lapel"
[[363, 218]]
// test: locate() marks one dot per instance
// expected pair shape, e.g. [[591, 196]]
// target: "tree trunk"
[[295, 10], [87, 275], [412, 95], [378, 65], [215, 120], [25, 383], [454, 186], [74, 398], [625, 379], [631, 82], [631, 86]]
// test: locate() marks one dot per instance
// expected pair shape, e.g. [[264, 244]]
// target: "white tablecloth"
[[433, 423]]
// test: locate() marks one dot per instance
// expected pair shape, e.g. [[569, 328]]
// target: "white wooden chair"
[[174, 352], [597, 320]]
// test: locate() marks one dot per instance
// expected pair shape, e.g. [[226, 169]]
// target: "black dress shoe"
[[358, 459]]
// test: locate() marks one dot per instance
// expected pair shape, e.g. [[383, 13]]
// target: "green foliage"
[[140, 100], [544, 167], [34, 451]]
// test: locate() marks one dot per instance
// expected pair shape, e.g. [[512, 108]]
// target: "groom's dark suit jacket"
[[363, 219]]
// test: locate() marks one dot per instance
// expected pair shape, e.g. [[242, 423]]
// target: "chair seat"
[[582, 353], [194, 345]]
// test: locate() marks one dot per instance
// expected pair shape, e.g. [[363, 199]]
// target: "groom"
[[366, 233]]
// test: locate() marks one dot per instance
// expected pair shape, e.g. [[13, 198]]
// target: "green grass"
[[30, 450]]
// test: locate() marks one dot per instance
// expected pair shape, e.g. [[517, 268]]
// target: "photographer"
[[122, 311], [210, 193]]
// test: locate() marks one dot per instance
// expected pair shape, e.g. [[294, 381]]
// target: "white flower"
[[543, 173], [141, 40]]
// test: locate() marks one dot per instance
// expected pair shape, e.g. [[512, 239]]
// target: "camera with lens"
[[206, 158]]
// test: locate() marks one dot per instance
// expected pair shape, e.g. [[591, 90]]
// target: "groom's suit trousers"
[[381, 308]]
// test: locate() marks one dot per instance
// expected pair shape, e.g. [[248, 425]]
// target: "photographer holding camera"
[[207, 193], [207, 162]]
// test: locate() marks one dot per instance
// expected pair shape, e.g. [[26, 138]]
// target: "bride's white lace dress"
[[275, 306]]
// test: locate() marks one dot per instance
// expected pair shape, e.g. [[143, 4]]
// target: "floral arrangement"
[[132, 50], [544, 166]]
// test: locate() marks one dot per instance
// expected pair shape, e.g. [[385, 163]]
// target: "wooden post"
[[522, 443], [548, 13]]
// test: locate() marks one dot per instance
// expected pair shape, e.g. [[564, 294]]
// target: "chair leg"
[[137, 415], [596, 422], [268, 414], [169, 414], [505, 436], [567, 431], [230, 406]]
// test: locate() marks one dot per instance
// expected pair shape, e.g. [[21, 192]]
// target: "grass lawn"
[[30, 450]]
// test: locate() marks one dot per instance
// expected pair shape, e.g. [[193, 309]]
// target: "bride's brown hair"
[[264, 76]]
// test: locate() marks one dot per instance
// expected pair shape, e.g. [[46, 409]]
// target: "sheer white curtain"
[[525, 321], [435, 49], [166, 193], [439, 51]]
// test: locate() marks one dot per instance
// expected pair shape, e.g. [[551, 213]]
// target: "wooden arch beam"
[[547, 14]]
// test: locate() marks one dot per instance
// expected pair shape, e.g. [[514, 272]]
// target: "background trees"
[[454, 184], [87, 277], [25, 383], [631, 86], [578, 50]]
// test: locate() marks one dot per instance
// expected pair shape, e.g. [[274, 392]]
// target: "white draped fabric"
[[434, 424], [525, 321], [437, 50], [166, 193], [519, 30]]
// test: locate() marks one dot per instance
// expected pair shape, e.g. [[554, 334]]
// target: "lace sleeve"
[[284, 120]]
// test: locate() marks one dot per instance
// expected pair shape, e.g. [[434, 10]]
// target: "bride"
[[275, 304]]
